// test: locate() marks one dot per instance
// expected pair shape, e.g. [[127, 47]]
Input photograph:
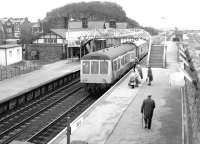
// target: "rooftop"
[[6, 46]]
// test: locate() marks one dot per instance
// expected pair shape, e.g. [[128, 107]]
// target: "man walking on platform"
[[147, 109]]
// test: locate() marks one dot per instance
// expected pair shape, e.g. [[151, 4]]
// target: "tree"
[[26, 33], [92, 10]]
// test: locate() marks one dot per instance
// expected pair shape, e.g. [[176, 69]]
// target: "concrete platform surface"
[[22, 83], [117, 120]]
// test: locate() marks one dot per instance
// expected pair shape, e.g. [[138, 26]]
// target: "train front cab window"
[[95, 67], [103, 67], [86, 67]]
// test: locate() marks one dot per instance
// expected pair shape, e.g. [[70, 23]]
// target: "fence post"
[[68, 130]]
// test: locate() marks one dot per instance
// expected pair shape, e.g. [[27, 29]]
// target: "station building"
[[10, 54]]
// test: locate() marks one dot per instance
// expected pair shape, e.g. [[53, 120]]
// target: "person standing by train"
[[135, 63], [149, 75], [134, 78], [139, 69], [147, 109]]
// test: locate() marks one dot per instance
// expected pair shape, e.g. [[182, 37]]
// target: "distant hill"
[[92, 10]]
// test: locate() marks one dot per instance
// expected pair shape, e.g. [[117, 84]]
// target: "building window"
[[18, 52], [9, 30], [50, 40], [10, 53]]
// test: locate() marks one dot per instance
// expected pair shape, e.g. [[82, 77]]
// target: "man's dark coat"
[[148, 107]]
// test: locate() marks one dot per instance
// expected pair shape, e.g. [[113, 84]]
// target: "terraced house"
[[12, 26]]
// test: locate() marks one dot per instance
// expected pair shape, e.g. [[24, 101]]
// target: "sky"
[[183, 14]]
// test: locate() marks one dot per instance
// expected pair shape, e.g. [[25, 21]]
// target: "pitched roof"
[[60, 32], [7, 46], [110, 53]]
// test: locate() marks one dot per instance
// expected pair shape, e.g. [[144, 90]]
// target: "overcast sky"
[[156, 13]]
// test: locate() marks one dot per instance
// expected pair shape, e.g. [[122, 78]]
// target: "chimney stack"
[[66, 22], [84, 22], [112, 23]]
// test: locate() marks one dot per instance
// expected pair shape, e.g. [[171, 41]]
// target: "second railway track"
[[14, 126]]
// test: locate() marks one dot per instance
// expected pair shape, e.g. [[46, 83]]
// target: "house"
[[37, 28], [10, 54], [96, 24], [84, 23], [2, 34], [17, 25], [8, 28], [12, 26]]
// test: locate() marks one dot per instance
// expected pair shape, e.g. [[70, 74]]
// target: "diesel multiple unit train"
[[102, 68]]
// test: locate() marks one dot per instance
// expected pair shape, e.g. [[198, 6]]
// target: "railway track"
[[51, 130], [14, 124]]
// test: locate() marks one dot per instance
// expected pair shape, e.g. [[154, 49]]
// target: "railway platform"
[[117, 118], [10, 88]]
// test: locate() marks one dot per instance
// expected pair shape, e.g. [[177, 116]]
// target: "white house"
[[10, 54]]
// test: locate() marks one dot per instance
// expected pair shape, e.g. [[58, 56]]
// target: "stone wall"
[[192, 97], [193, 112], [46, 52]]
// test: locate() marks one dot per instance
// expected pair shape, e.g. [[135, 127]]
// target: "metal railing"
[[7, 72], [149, 52], [164, 56]]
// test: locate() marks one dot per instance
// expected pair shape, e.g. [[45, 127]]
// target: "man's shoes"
[[145, 127]]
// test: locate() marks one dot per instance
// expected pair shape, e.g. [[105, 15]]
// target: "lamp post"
[[165, 47], [165, 38]]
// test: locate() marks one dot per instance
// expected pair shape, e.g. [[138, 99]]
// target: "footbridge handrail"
[[149, 52], [164, 56]]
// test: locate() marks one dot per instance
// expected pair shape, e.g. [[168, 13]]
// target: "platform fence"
[[7, 72]]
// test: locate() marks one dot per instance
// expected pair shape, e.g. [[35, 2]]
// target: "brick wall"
[[46, 52]]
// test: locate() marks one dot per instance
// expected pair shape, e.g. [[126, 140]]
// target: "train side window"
[[126, 58], [103, 67], [118, 64], [95, 67], [86, 67], [115, 65], [122, 62]]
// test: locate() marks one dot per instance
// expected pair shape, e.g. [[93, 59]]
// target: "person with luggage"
[[134, 79]]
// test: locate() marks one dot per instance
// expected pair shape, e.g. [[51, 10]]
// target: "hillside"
[[91, 10]]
